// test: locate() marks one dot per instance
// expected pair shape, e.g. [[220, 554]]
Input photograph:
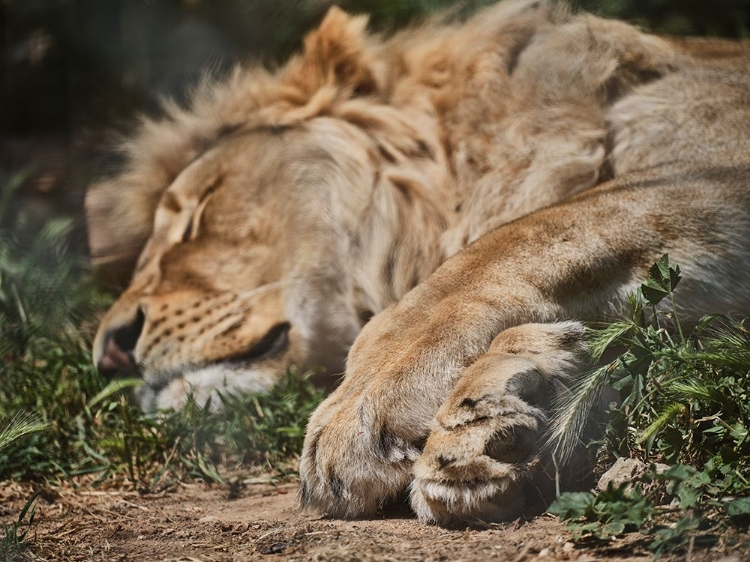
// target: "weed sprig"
[[685, 401]]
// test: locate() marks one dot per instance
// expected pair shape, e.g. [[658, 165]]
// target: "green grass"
[[13, 543], [685, 401], [110, 437], [19, 426]]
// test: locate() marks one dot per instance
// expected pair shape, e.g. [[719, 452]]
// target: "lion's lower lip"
[[158, 381]]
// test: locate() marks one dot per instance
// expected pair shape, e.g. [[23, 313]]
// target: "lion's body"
[[551, 157]]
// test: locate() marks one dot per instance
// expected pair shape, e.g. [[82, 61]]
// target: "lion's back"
[[697, 117]]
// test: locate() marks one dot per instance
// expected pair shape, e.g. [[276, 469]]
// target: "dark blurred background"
[[73, 71]]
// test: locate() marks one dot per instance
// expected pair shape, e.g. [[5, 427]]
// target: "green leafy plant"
[[602, 516], [685, 402]]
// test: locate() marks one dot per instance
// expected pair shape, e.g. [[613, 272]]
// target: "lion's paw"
[[484, 449], [477, 460], [351, 465], [363, 441]]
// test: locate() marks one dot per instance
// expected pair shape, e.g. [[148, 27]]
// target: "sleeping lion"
[[445, 206]]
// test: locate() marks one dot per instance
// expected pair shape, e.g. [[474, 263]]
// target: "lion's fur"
[[516, 149]]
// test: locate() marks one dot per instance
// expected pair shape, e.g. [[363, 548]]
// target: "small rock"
[[624, 470], [208, 519], [276, 548]]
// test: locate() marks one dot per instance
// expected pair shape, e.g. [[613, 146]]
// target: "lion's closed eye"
[[274, 342]]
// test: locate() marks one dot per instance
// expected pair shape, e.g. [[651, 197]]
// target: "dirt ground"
[[260, 521]]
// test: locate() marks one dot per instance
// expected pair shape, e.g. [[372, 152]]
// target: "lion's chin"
[[205, 383]]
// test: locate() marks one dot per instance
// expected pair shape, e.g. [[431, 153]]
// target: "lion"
[[447, 206]]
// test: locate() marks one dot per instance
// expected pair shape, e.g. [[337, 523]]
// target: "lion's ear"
[[337, 54]]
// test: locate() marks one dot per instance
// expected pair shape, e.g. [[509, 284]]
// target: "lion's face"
[[244, 272]]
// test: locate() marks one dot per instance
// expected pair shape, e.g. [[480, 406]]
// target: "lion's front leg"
[[482, 459], [363, 440]]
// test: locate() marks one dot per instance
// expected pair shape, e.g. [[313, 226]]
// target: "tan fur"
[[545, 160]]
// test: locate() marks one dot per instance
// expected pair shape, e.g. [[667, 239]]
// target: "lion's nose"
[[119, 346]]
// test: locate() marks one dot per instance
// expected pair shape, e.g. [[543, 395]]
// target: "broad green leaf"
[[653, 292], [571, 505], [739, 507]]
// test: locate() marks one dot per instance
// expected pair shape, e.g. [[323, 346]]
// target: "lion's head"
[[273, 216]]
